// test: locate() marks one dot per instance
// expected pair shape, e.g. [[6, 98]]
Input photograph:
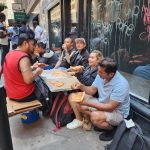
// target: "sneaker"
[[107, 135], [75, 124]]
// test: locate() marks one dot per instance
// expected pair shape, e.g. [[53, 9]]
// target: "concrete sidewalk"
[[40, 136]]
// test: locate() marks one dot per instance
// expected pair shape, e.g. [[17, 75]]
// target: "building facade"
[[118, 28], [8, 12]]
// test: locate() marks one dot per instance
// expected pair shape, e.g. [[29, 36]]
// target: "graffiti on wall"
[[146, 21], [119, 25]]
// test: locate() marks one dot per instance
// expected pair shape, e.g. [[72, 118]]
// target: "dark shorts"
[[29, 98]]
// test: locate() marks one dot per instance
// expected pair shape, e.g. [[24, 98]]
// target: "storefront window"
[[55, 28], [74, 18], [121, 30]]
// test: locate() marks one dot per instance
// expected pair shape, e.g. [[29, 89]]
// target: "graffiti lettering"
[[116, 3], [121, 25], [128, 12], [105, 41], [136, 11], [146, 21], [107, 28], [129, 30], [133, 13], [146, 18]]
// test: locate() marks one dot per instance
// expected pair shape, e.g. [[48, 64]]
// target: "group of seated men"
[[98, 75]]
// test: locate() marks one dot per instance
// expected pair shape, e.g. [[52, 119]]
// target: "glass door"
[[120, 29], [55, 28]]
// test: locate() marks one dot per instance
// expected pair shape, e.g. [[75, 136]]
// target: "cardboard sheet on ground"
[[62, 77], [15, 108]]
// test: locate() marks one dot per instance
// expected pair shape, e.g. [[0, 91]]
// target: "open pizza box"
[[15, 108], [58, 80], [54, 74], [66, 84]]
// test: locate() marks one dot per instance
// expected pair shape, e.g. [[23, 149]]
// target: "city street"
[[87, 58], [40, 136]]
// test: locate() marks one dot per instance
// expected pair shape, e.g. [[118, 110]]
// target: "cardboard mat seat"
[[14, 107]]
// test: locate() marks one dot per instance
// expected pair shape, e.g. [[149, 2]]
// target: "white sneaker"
[[75, 124]]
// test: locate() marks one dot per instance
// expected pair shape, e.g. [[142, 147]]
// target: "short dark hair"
[[109, 64], [70, 39], [2, 15], [41, 45], [35, 22], [24, 37]]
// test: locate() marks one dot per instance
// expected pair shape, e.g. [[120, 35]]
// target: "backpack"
[[61, 113], [44, 95], [130, 138]]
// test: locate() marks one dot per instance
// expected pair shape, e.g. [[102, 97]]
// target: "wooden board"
[[21, 105], [10, 114], [14, 107]]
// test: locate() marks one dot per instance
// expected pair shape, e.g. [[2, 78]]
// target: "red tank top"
[[15, 86]]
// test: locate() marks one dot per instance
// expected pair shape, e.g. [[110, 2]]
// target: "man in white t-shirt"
[[40, 35], [4, 45]]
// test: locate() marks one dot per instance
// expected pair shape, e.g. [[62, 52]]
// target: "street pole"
[[5, 135], [149, 99]]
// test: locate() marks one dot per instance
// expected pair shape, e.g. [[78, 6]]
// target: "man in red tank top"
[[18, 75]]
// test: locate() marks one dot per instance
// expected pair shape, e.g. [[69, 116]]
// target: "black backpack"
[[44, 95], [129, 139], [61, 113]]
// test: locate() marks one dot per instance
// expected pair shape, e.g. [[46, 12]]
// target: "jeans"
[[5, 50]]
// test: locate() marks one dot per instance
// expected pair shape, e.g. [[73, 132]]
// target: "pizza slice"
[[76, 68], [78, 97], [56, 83], [58, 74]]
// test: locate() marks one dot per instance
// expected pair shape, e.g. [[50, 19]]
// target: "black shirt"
[[80, 58], [64, 62]]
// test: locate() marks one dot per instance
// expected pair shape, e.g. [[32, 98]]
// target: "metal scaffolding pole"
[[5, 135]]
